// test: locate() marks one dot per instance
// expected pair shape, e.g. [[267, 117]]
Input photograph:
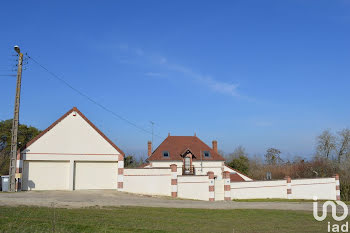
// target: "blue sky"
[[253, 73]]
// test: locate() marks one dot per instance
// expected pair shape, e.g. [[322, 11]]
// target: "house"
[[192, 156], [73, 154], [70, 154]]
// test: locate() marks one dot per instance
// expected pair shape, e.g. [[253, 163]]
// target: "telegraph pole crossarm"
[[15, 121]]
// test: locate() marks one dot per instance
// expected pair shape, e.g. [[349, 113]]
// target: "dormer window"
[[165, 153], [206, 153]]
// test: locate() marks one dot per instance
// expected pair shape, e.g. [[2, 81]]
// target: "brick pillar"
[[289, 187], [215, 146], [211, 186], [120, 172], [227, 186], [337, 187], [19, 168], [173, 168]]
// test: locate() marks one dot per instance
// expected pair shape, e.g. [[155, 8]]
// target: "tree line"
[[25, 134], [331, 156]]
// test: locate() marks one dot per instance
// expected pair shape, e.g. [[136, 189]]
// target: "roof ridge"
[[177, 144]]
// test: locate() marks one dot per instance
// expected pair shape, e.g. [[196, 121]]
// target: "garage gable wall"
[[72, 135], [72, 151]]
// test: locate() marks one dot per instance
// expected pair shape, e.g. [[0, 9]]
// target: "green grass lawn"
[[280, 200], [142, 219], [272, 200]]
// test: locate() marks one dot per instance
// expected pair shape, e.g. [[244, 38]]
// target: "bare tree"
[[272, 156], [326, 143], [343, 144], [239, 160], [238, 152]]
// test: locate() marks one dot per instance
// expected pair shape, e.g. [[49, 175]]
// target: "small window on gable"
[[165, 153], [206, 153]]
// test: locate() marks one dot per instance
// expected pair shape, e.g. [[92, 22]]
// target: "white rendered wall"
[[73, 135], [193, 187], [45, 175], [200, 168], [148, 181], [72, 140], [95, 175], [259, 189], [323, 189], [166, 164]]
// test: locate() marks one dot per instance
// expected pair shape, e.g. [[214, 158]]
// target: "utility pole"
[[13, 158]]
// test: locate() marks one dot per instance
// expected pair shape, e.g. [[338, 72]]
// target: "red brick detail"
[[289, 180], [226, 175], [173, 194], [120, 171], [211, 175], [120, 158], [211, 199], [173, 181], [337, 187], [211, 188], [227, 198], [227, 187], [289, 191], [120, 185], [173, 167], [215, 146], [336, 176], [338, 198], [149, 151], [19, 155]]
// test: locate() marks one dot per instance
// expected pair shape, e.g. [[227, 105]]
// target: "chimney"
[[149, 148], [215, 146]]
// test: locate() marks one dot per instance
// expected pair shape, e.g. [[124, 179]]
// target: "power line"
[[91, 99], [8, 75]]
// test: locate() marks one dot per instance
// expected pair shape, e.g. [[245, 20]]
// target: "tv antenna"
[[152, 123]]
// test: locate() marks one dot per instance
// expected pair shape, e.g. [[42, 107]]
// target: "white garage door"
[[96, 175], [39, 175]]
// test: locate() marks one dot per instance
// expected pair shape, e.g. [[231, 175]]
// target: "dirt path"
[[78, 199]]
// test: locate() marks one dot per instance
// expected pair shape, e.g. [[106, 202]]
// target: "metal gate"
[[219, 190]]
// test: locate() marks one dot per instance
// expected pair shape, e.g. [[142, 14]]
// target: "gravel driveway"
[[88, 198]]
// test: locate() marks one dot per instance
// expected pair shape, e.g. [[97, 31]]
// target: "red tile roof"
[[177, 145], [238, 171], [64, 116], [234, 177]]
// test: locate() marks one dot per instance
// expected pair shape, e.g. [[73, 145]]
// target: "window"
[[206, 153], [165, 153]]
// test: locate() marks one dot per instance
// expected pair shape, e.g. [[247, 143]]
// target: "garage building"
[[71, 154]]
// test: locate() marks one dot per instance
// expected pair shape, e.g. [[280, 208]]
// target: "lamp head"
[[17, 49]]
